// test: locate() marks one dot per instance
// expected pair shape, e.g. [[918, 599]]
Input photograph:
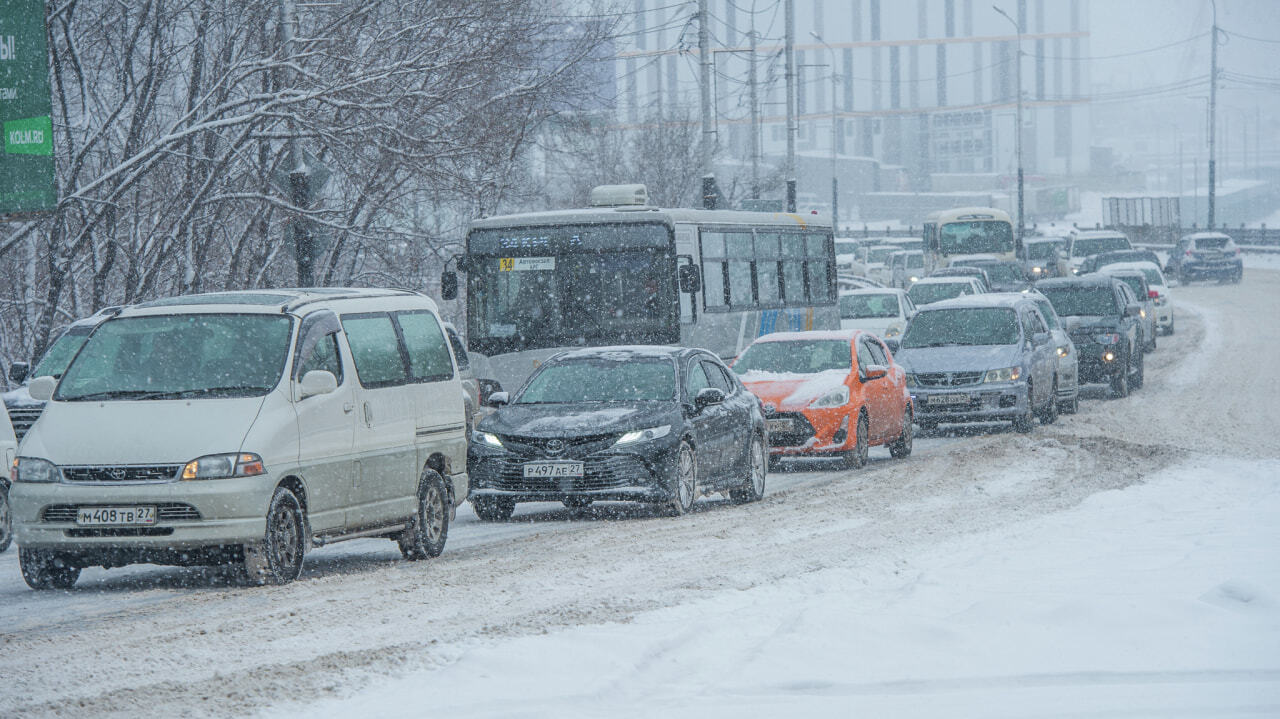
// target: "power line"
[[1193, 38], [1242, 36]]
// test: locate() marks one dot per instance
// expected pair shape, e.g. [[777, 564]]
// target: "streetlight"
[[1017, 136], [835, 183]]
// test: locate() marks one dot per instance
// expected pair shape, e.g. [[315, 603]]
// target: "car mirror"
[[487, 388], [690, 280], [41, 388], [498, 399], [893, 343], [1040, 338], [1133, 310], [315, 382], [18, 372], [706, 397], [449, 285], [874, 371]]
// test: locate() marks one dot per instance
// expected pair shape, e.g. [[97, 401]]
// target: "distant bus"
[[968, 231], [623, 272]]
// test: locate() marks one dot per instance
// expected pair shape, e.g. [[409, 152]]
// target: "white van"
[[244, 428], [8, 449]]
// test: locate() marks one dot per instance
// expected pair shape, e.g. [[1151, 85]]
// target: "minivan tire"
[[6, 518], [493, 509], [752, 490], [429, 529], [45, 570], [277, 559]]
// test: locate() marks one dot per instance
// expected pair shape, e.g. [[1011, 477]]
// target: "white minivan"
[[244, 428]]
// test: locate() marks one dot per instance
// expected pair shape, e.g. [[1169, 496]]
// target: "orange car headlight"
[[837, 397]]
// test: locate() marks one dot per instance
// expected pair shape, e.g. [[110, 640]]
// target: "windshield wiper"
[[936, 344], [227, 391], [113, 394]]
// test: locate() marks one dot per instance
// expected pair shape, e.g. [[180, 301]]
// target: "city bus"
[[623, 272], [963, 231]]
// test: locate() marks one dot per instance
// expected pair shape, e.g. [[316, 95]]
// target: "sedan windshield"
[[922, 293], [601, 380], [1004, 272], [962, 326], [857, 307], [1081, 301], [180, 356], [1085, 246], [1042, 250], [800, 356]]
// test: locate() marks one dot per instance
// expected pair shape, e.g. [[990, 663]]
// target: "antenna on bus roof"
[[619, 195]]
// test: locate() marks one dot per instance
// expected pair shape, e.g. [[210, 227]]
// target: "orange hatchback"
[[828, 394]]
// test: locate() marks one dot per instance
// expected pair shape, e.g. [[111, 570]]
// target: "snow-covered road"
[[1119, 563]]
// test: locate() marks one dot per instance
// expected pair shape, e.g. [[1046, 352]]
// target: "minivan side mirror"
[[449, 285], [317, 381], [499, 399], [18, 372], [707, 396], [690, 280], [41, 388]]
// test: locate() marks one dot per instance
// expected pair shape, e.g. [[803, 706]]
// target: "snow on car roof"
[[1138, 266], [873, 291], [846, 335], [989, 299], [1091, 234], [622, 352], [946, 280], [1090, 280]]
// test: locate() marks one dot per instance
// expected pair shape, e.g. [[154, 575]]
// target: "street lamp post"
[[835, 182], [1017, 135]]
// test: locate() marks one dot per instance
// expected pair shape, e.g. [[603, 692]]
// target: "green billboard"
[[26, 159]]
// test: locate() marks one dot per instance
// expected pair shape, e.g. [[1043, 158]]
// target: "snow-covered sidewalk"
[[1156, 600]]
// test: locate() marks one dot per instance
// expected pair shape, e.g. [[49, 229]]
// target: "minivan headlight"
[[1005, 374], [837, 397], [224, 466], [643, 435], [32, 469]]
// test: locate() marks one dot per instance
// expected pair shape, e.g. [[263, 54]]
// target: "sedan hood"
[[140, 432], [792, 391], [1078, 322], [578, 419], [968, 358]]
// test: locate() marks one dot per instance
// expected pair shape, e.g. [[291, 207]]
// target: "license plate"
[[948, 399], [115, 515], [553, 470], [780, 425]]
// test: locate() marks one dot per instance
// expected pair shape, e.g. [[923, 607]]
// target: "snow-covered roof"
[[846, 335], [988, 299], [874, 291]]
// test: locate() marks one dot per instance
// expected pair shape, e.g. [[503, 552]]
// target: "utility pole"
[[755, 112], [709, 199], [835, 182], [299, 173], [790, 10], [1213, 113], [1017, 135]]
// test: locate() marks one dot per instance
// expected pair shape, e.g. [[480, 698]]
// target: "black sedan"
[[661, 425]]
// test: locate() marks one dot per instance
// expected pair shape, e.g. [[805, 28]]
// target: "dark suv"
[[1205, 254], [1104, 319]]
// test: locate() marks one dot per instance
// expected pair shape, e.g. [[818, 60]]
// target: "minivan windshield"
[[601, 380], [802, 356], [61, 352], [922, 293], [962, 326], [180, 356], [1081, 301]]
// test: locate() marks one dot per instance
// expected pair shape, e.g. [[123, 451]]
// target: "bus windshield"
[[607, 285], [964, 238]]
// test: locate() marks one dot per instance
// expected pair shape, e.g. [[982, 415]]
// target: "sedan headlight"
[[1107, 338], [224, 466], [1063, 351], [31, 469], [1037, 270], [1006, 374], [488, 439], [643, 435], [838, 397]]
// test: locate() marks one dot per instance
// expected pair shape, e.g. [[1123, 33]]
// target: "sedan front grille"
[[599, 473], [121, 474], [801, 430], [947, 379], [557, 447], [167, 511]]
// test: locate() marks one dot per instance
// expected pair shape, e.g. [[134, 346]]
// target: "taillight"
[[1152, 294], [1189, 253]]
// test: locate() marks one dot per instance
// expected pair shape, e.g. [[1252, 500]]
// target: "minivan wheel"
[[278, 558], [46, 570], [427, 531], [493, 509], [6, 519], [752, 490], [684, 488], [901, 447]]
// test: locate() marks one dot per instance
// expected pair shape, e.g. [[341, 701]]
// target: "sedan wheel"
[[901, 447], [685, 487], [857, 457], [1024, 423], [753, 489]]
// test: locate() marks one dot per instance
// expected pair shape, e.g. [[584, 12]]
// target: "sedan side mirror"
[[706, 397], [488, 388], [874, 371], [316, 382], [18, 372], [499, 399], [41, 388], [1133, 310], [1040, 338]]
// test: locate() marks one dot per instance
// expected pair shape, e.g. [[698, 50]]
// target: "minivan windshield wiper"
[[231, 391], [113, 394]]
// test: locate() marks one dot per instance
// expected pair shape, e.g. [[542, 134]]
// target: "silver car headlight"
[[224, 466], [33, 469], [643, 435], [1004, 374]]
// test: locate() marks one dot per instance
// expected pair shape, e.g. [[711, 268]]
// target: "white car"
[[1091, 242], [935, 289], [9, 446], [875, 261], [1157, 284], [1068, 357], [882, 311], [244, 428], [905, 267]]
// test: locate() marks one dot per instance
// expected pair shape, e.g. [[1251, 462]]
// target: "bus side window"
[[715, 271]]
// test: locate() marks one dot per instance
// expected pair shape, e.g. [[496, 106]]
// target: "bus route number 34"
[[525, 264]]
